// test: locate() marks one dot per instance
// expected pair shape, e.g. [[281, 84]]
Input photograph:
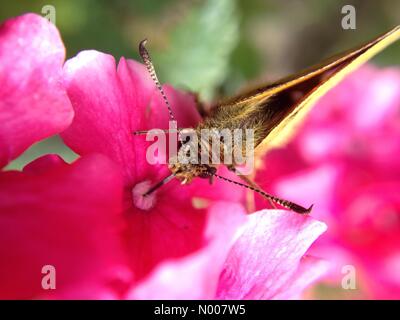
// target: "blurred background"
[[214, 47]]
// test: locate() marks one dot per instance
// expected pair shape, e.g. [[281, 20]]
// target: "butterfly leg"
[[249, 182], [253, 186]]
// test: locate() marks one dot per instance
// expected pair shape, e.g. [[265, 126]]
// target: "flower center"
[[139, 200]]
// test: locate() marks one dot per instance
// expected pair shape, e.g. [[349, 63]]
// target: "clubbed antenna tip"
[[150, 68]]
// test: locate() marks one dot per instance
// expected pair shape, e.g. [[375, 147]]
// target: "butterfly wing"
[[280, 107], [304, 90]]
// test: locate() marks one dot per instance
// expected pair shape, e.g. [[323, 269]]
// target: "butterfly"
[[272, 112]]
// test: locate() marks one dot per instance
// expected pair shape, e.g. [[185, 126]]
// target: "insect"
[[272, 112]]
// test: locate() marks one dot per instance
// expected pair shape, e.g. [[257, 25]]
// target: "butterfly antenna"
[[150, 68], [159, 184], [284, 203]]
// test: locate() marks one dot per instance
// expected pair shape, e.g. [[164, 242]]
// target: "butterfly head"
[[186, 172]]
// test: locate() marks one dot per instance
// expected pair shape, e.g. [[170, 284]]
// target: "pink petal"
[[171, 226], [376, 99], [172, 229], [386, 283], [195, 276], [43, 164], [310, 270], [278, 163], [353, 119], [33, 102], [111, 103], [103, 120], [267, 254], [67, 217], [316, 186]]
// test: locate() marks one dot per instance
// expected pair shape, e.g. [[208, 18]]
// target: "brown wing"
[[276, 109]]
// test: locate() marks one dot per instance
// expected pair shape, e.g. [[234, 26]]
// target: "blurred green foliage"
[[53, 145], [199, 48], [217, 44]]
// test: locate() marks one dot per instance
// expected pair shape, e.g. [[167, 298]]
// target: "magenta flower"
[[65, 216], [44, 216], [33, 104], [88, 219], [110, 103], [267, 260], [345, 161]]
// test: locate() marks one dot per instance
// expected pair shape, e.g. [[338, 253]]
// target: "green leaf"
[[197, 57]]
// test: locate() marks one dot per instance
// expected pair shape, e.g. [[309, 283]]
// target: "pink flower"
[[110, 104], [266, 261], [33, 104], [88, 219], [66, 216], [345, 161], [52, 213], [166, 236], [69, 217]]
